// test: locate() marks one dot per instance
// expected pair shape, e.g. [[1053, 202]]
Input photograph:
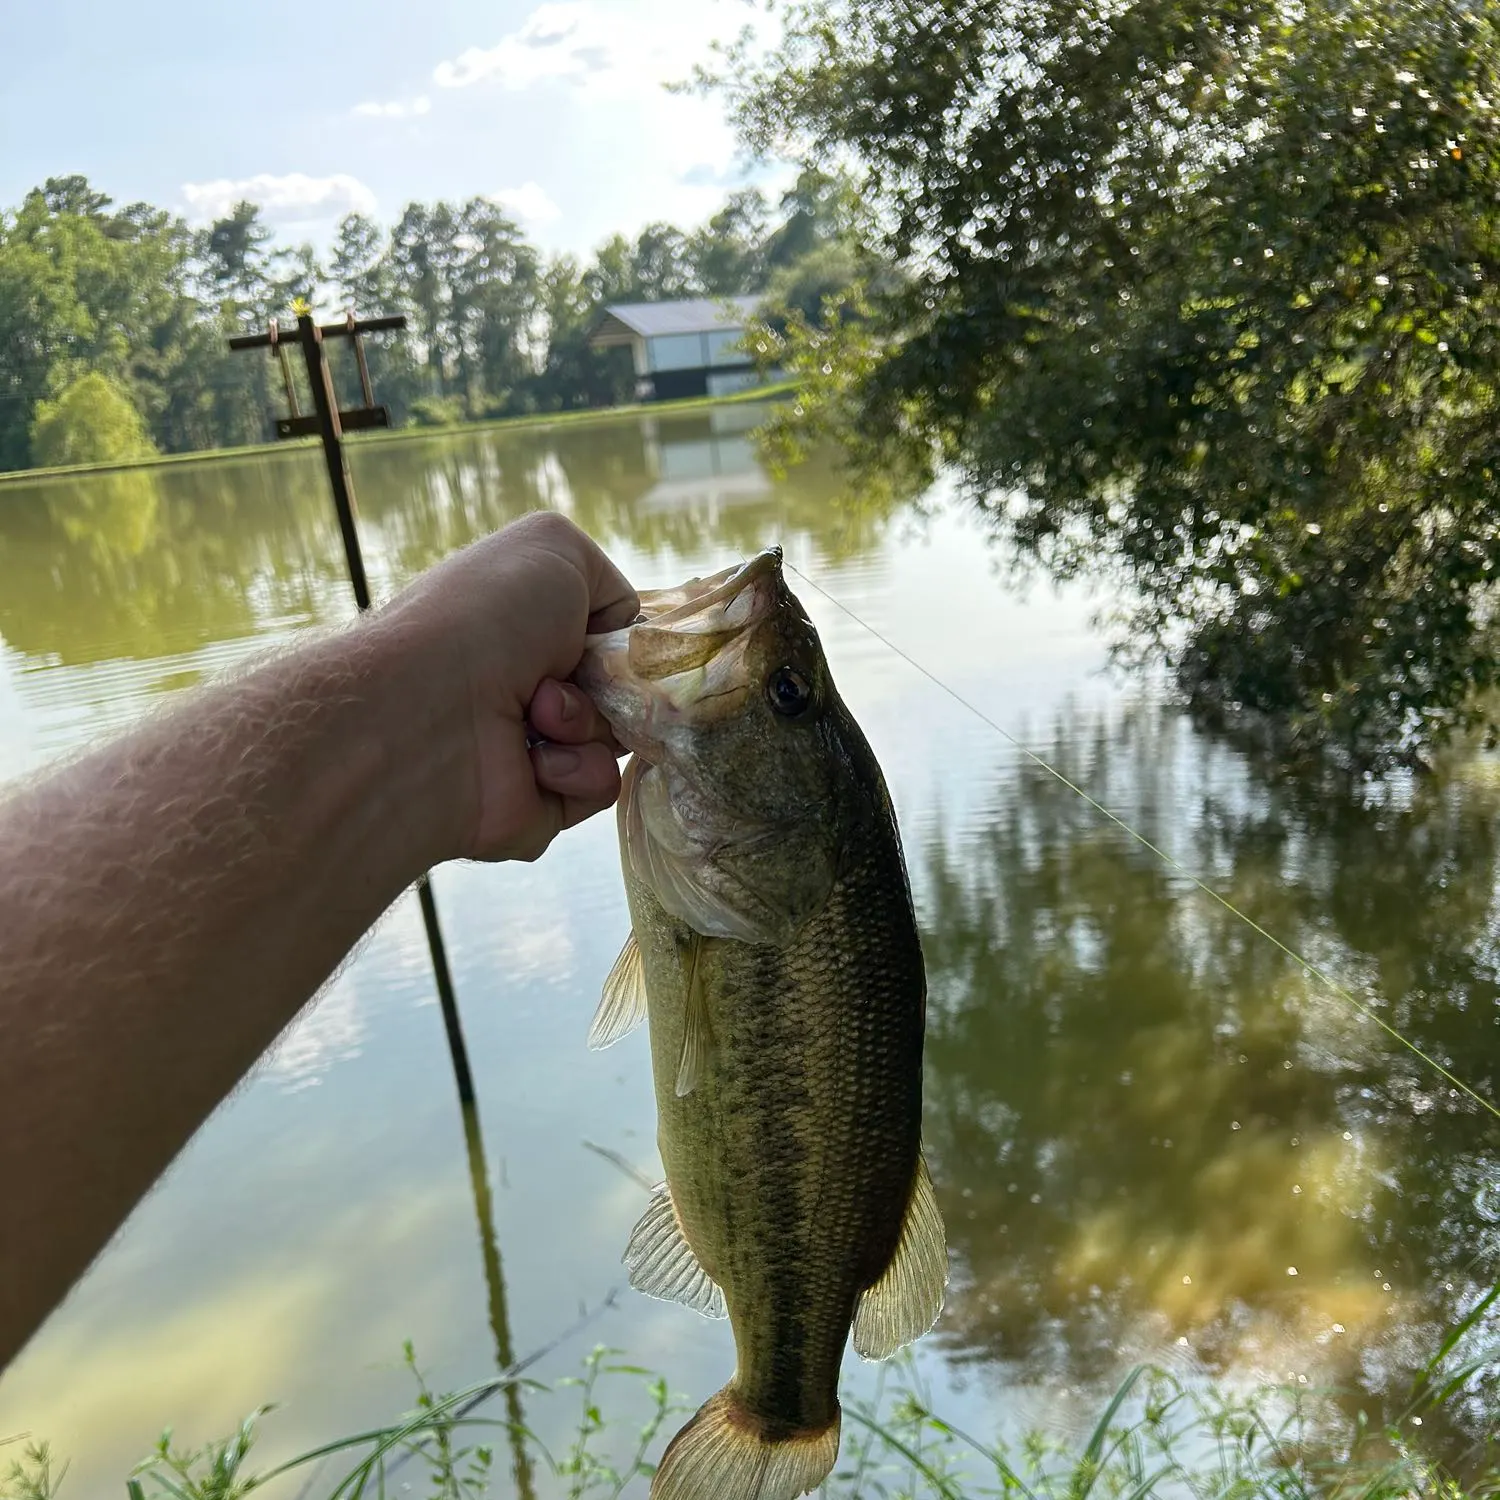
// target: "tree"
[[363, 276], [828, 271], [574, 374], [820, 208], [727, 255], [91, 422], [83, 289], [296, 277], [359, 268], [73, 196], [494, 303], [136, 296], [421, 255], [660, 263], [611, 278], [1209, 292], [236, 262]]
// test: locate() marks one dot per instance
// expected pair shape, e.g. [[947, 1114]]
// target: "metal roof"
[[626, 320]]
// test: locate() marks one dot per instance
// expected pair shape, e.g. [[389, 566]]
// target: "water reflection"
[[1143, 1118], [151, 562], [666, 487], [499, 1304], [1152, 1129]]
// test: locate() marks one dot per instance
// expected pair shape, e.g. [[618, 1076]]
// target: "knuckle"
[[551, 526]]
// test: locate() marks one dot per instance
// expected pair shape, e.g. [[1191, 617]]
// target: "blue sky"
[[555, 108]]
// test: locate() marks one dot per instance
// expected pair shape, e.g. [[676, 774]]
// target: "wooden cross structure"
[[326, 420]]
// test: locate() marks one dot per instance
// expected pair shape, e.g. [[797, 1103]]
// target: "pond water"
[[1153, 1134]]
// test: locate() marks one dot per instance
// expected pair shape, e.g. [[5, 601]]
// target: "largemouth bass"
[[775, 949]]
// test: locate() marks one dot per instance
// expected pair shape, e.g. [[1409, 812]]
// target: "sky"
[[556, 109]]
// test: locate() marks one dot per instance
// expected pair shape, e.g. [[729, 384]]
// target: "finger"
[[576, 810], [587, 773], [540, 830], [566, 715], [613, 601]]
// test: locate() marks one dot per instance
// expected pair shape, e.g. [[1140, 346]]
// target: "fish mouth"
[[724, 599], [682, 663]]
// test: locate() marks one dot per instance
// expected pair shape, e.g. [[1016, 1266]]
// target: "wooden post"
[[326, 409], [330, 423]]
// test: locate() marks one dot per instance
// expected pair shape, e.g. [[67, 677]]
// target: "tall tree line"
[[114, 321]]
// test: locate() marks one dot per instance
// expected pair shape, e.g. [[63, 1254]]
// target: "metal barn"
[[687, 348]]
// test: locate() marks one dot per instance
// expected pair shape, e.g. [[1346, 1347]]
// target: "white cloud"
[[289, 199], [544, 47], [331, 1032], [393, 109], [576, 41], [530, 201]]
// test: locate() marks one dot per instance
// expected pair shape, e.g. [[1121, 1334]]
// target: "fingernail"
[[570, 705], [558, 760]]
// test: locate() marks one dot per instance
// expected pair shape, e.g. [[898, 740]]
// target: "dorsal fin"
[[622, 1006], [905, 1302]]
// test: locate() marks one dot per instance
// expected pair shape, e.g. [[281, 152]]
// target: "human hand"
[[498, 628]]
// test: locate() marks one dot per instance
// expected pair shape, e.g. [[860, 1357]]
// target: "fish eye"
[[789, 691]]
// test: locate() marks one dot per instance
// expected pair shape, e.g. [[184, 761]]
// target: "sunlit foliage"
[[1206, 291]]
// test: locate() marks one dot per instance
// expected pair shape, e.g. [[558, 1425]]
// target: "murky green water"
[[1152, 1134]]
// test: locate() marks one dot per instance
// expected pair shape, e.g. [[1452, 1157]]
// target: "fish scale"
[[777, 957], [791, 1164]]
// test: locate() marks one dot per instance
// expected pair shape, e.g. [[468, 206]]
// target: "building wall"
[[677, 385], [695, 351], [675, 366]]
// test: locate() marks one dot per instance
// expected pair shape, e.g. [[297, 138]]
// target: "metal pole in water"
[[326, 408], [328, 422]]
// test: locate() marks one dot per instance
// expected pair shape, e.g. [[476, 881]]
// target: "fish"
[[775, 952]]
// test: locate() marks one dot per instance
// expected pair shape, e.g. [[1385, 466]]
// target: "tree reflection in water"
[[146, 563], [1148, 1125], [1142, 1116]]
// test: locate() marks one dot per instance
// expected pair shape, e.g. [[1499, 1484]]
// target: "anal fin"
[[622, 1006], [907, 1299], [662, 1263]]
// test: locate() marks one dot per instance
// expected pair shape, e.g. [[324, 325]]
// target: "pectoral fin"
[[662, 1264], [622, 1007], [696, 1039], [907, 1299]]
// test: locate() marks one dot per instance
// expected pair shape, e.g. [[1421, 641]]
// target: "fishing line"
[[1305, 964]]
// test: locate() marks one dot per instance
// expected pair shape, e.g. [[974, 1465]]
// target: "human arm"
[[168, 903]]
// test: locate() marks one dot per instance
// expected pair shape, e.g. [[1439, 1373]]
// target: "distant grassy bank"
[[534, 421]]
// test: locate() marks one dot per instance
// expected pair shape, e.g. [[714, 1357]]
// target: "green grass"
[[1157, 1438], [540, 421]]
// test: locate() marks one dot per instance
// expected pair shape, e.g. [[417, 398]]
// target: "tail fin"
[[721, 1455]]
